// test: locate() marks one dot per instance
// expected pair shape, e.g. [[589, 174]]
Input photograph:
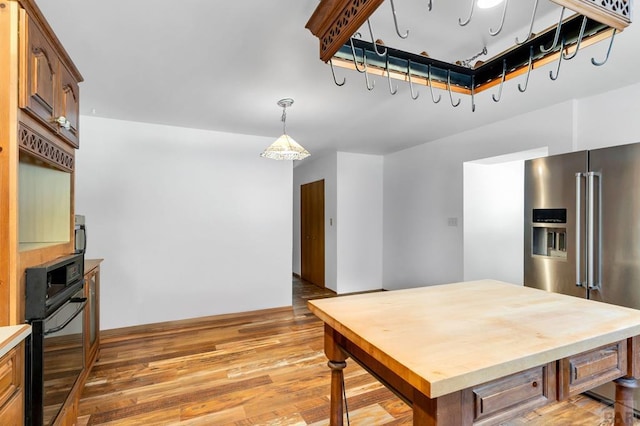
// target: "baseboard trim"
[[170, 327]]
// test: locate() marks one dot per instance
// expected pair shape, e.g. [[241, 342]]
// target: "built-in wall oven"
[[55, 304]]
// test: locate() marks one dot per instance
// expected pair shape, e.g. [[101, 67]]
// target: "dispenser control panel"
[[549, 239]]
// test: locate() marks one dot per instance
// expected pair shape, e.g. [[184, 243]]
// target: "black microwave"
[[80, 234]]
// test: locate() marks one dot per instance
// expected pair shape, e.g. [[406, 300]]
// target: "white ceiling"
[[223, 65]]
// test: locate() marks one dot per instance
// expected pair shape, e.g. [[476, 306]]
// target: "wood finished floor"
[[258, 368]]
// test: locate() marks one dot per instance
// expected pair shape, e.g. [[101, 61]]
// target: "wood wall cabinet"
[[48, 90], [39, 85]]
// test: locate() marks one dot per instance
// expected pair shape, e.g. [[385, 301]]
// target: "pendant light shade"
[[285, 148]]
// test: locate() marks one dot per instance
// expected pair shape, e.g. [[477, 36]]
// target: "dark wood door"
[[39, 78], [68, 105], [312, 232]]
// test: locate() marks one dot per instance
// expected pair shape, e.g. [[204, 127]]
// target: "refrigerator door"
[[616, 173], [553, 259], [616, 241]]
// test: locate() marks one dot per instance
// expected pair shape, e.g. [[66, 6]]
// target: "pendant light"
[[285, 148]]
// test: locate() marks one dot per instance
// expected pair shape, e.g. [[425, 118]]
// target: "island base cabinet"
[[518, 393], [589, 369]]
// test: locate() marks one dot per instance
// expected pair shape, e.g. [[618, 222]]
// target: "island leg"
[[447, 410], [337, 363], [624, 400]]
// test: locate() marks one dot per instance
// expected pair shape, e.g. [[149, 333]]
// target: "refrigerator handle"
[[579, 282], [591, 282]]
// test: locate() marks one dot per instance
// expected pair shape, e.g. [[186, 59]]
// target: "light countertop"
[[11, 336], [445, 338]]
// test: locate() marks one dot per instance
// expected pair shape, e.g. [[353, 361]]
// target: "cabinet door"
[[68, 105], [11, 384], [12, 414], [39, 82], [92, 319]]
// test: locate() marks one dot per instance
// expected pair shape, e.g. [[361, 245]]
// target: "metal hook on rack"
[[430, 5], [504, 14], [596, 63], [530, 33], [556, 36], [504, 74], [417, 94], [580, 36], [473, 93], [373, 40], [449, 87], [344, 79], [431, 86], [526, 82], [353, 52], [559, 62], [460, 22], [366, 74], [395, 21], [391, 89]]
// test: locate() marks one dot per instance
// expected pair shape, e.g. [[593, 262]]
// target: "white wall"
[[493, 221], [359, 222], [310, 170], [493, 212], [190, 222], [423, 189], [609, 119]]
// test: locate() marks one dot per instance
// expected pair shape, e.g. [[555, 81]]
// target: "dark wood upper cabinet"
[[68, 105], [49, 92]]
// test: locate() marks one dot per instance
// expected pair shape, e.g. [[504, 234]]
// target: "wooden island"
[[481, 352]]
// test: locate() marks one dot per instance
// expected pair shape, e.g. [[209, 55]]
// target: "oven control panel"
[[49, 285]]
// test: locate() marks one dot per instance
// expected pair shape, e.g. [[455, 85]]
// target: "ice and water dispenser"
[[549, 233]]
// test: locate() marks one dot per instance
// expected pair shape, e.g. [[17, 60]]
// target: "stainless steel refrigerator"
[[582, 227]]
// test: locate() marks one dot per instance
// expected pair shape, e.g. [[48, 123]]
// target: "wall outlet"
[[452, 221]]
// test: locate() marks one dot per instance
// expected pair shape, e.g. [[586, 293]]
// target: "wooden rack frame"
[[335, 21]]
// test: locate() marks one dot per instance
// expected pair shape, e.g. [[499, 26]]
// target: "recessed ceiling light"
[[486, 4]]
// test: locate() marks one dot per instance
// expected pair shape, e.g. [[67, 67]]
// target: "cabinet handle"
[[63, 122]]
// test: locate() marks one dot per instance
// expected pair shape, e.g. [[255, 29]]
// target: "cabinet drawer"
[[10, 375], [588, 369], [12, 413], [505, 397]]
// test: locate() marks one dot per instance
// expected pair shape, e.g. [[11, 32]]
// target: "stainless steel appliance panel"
[[550, 183], [616, 174], [598, 188]]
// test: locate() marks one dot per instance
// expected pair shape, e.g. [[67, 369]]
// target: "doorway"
[[312, 232], [493, 214]]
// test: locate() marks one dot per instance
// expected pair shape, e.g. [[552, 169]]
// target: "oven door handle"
[[83, 303]]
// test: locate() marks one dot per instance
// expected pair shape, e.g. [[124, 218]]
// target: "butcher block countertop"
[[11, 336], [446, 338]]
